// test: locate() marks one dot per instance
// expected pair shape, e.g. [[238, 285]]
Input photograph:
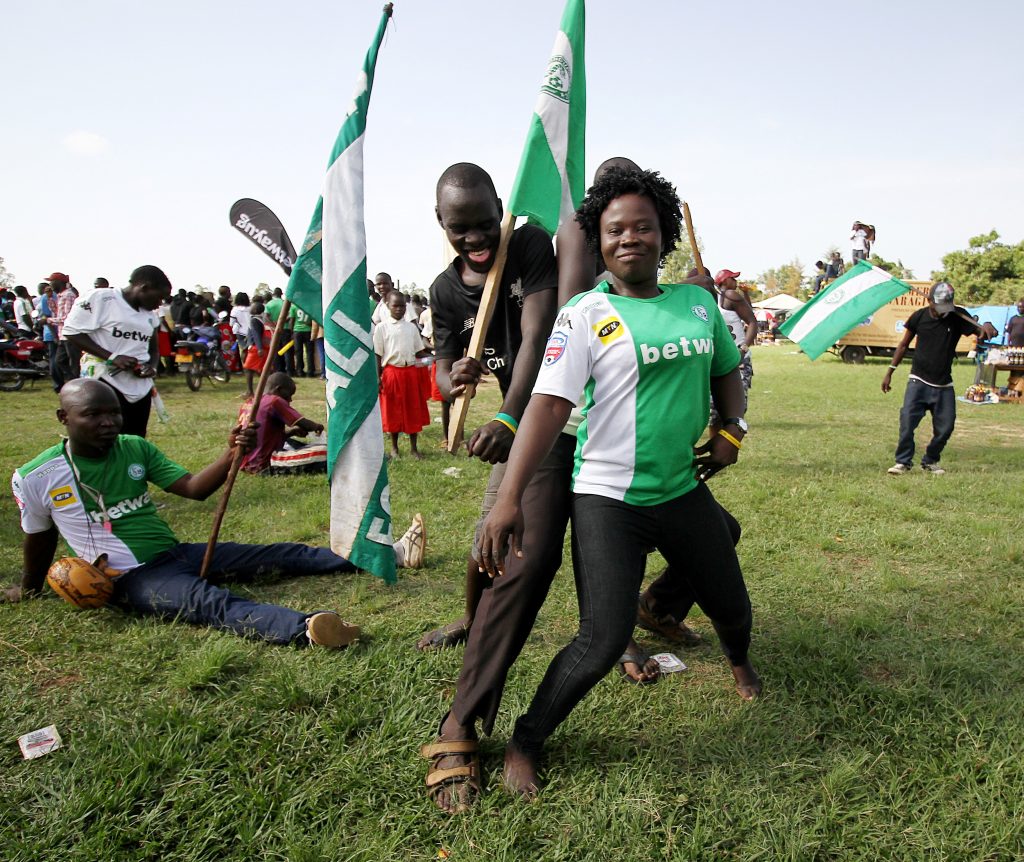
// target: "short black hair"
[[241, 298], [150, 275], [616, 182], [465, 175]]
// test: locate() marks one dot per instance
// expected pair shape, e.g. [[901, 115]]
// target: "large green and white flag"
[[328, 282], [846, 302], [551, 183]]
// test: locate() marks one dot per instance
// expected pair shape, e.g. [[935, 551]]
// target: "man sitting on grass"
[[93, 489], [277, 422]]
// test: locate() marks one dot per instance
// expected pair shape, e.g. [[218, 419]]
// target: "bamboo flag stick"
[[236, 461], [488, 300], [697, 262]]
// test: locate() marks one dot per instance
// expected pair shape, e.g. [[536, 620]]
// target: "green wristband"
[[507, 421]]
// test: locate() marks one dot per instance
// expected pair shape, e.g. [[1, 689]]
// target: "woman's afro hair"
[[614, 183]]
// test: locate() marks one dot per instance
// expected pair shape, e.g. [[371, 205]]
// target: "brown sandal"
[[667, 626], [467, 775]]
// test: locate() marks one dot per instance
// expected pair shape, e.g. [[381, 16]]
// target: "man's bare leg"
[[456, 632]]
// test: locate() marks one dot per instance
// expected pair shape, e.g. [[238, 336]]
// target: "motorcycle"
[[201, 358], [21, 358]]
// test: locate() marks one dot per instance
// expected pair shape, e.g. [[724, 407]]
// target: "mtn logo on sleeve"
[[609, 329], [63, 496]]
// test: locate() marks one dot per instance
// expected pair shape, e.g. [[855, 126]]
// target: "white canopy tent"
[[779, 302]]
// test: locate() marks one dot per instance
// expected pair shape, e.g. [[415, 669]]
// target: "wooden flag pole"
[[488, 300], [697, 262], [236, 461]]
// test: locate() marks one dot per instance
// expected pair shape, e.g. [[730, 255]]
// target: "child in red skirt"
[[403, 390], [259, 343]]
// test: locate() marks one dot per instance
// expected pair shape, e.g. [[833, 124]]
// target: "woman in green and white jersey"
[[647, 358]]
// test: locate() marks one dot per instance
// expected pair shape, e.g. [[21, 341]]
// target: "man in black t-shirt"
[[499, 613], [937, 327], [1015, 327]]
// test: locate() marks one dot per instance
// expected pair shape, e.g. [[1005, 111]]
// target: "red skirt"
[[435, 392], [403, 400], [253, 361]]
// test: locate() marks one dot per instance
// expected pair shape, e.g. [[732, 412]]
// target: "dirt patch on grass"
[[44, 683]]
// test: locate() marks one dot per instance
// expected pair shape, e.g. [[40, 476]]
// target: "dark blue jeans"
[[169, 586], [610, 539], [918, 400]]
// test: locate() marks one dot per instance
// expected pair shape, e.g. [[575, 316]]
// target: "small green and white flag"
[[328, 282], [550, 183], [851, 298]]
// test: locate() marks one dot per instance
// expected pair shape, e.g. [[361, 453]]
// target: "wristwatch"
[[738, 421]]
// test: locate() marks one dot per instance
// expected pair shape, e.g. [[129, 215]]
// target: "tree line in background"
[[987, 272]]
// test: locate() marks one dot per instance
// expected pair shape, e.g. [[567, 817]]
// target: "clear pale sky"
[[130, 128]]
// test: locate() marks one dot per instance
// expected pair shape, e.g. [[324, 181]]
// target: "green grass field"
[[888, 629]]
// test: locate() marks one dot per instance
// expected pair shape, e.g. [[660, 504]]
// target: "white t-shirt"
[[381, 312], [397, 342], [860, 240], [240, 317], [107, 318], [22, 313], [427, 325]]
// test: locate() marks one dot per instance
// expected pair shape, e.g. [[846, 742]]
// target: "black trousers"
[[610, 541], [134, 413]]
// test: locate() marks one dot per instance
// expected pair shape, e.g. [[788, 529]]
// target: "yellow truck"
[[880, 334]]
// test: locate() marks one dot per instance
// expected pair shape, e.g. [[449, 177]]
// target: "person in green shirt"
[[647, 358], [93, 490], [302, 332]]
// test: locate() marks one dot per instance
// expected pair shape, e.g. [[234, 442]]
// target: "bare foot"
[[450, 635], [520, 775], [417, 454], [642, 675], [748, 683], [459, 794], [393, 455]]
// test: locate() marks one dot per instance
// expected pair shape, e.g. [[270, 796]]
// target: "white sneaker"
[[413, 544], [898, 470], [934, 469], [327, 629]]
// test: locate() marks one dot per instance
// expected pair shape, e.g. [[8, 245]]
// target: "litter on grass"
[[669, 663], [39, 742]]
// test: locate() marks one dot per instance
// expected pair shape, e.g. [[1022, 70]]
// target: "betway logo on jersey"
[[129, 335], [121, 509], [684, 347]]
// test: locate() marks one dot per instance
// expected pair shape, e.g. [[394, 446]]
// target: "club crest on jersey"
[[136, 471], [62, 496], [700, 312], [555, 348], [609, 329]]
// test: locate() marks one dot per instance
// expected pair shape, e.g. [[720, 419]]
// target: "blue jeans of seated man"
[[610, 539], [169, 586], [918, 400]]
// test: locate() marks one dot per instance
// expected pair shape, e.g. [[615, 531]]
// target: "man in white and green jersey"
[[93, 489]]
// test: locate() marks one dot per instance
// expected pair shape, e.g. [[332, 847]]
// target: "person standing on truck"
[[938, 328]]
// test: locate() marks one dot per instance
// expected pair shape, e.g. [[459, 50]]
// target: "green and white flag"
[[550, 183], [328, 282], [846, 302]]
